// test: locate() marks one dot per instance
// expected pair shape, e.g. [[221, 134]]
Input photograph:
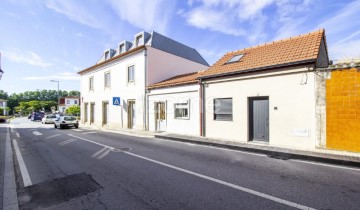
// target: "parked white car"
[[66, 121], [48, 119]]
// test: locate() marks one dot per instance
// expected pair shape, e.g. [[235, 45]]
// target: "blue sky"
[[41, 40]]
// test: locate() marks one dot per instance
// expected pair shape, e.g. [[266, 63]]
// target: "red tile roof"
[[298, 49], [183, 79]]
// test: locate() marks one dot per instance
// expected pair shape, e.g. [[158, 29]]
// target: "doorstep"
[[317, 155]]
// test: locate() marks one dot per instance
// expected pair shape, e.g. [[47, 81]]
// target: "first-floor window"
[[91, 83], [182, 110], [223, 109], [131, 73], [107, 79]]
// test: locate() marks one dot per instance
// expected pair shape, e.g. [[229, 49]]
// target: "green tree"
[[3, 95], [74, 110]]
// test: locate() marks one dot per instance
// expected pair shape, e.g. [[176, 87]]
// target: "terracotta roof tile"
[[291, 50], [183, 79]]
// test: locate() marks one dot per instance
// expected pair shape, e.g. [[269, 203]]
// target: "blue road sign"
[[116, 101]]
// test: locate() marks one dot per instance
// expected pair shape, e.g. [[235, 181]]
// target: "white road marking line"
[[49, 137], [78, 130], [66, 142], [37, 133], [326, 165], [23, 169], [253, 192], [89, 132], [107, 151], [12, 130], [94, 142], [18, 135], [99, 152]]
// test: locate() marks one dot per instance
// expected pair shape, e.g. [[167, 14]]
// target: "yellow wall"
[[343, 110]]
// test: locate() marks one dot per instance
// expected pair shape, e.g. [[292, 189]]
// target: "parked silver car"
[[66, 121], [48, 119]]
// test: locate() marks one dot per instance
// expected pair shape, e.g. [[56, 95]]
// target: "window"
[[107, 55], [121, 48], [223, 109], [235, 58], [67, 101], [91, 83], [139, 40], [182, 110], [131, 73], [107, 79], [75, 101]]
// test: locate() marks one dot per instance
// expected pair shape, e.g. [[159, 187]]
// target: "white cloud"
[[249, 18], [62, 76], [145, 14], [343, 50], [87, 13], [25, 56]]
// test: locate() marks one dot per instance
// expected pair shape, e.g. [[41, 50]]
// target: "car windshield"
[[69, 118]]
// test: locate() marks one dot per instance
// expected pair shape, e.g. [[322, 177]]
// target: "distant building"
[[3, 104], [66, 102]]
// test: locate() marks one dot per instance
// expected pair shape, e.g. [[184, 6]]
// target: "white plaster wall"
[[171, 96], [295, 102], [119, 88], [162, 65]]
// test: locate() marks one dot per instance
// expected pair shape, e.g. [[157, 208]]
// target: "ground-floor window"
[[223, 109], [182, 110]]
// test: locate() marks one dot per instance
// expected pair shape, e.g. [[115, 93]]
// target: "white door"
[[160, 116]]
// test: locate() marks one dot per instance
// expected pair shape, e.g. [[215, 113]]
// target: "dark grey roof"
[[168, 45]]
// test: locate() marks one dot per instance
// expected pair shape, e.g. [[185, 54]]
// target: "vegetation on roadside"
[[73, 110]]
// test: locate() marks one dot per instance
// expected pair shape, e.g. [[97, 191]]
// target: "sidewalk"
[[317, 155]]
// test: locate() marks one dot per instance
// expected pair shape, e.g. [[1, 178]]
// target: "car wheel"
[[55, 126], [76, 126], [61, 127]]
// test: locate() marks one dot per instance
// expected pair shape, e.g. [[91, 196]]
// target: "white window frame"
[[107, 81], [91, 83], [183, 106], [220, 114], [107, 54], [129, 78], [122, 48]]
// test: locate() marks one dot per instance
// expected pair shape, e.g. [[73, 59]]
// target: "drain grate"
[[56, 191]]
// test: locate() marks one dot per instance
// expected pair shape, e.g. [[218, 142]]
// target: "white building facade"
[[114, 90], [66, 102], [3, 105]]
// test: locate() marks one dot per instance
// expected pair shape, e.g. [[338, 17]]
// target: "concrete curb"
[[278, 153], [10, 200]]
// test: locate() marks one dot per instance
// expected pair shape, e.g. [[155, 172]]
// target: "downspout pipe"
[[202, 108], [145, 118]]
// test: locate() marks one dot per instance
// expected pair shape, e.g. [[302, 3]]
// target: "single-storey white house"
[[174, 105], [266, 94], [113, 90], [66, 102]]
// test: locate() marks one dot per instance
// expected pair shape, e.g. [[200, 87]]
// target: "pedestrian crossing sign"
[[116, 101]]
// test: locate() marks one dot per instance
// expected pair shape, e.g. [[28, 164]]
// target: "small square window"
[[131, 73], [75, 101], [223, 109], [91, 83], [67, 101], [107, 79], [182, 110], [235, 58]]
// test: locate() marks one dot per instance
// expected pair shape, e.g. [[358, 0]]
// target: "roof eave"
[[111, 59], [310, 61]]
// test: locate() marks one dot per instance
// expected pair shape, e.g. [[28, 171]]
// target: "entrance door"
[[160, 113], [259, 119], [92, 112], [131, 114], [86, 105], [105, 112]]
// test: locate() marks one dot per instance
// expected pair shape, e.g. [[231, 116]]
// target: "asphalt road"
[[90, 169]]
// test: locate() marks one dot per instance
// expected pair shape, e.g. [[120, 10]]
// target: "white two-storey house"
[[114, 89]]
